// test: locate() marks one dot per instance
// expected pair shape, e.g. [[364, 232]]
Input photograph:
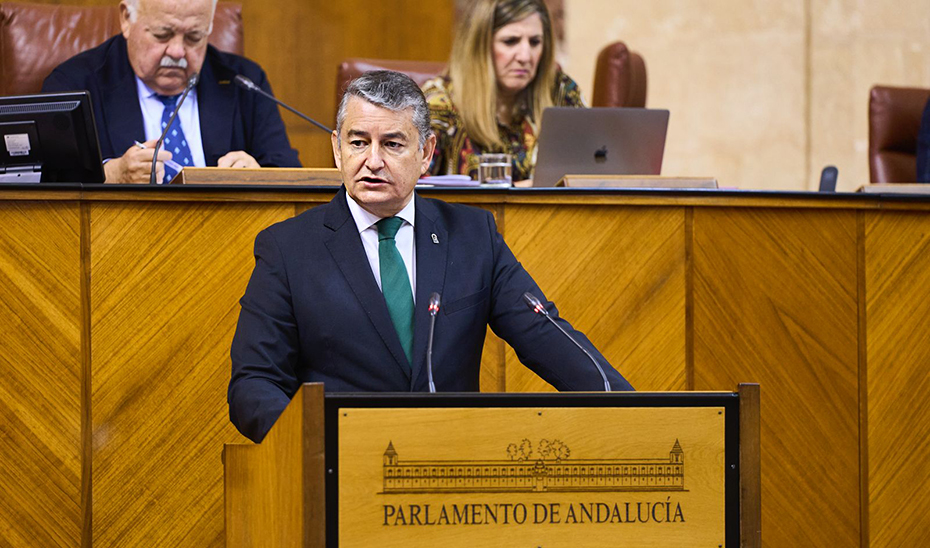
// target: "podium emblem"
[[548, 468]]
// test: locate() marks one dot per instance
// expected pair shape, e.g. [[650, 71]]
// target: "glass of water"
[[495, 169]]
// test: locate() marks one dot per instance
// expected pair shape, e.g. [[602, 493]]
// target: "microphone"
[[245, 83], [191, 82], [433, 310], [538, 308]]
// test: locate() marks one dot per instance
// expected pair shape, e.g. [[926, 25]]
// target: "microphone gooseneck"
[[433, 310], [537, 306], [191, 82], [245, 83]]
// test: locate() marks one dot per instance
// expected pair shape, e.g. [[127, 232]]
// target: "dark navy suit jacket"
[[923, 147], [231, 118], [312, 312]]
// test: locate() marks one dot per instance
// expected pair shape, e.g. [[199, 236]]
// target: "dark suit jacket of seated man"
[[231, 118], [313, 310]]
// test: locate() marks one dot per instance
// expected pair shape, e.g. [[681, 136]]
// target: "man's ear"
[[428, 147], [337, 152], [124, 22]]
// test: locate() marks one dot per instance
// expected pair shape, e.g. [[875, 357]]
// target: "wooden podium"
[[549, 470]]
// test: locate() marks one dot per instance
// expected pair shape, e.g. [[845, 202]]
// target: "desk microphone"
[[433, 310], [245, 83], [191, 82], [534, 303]]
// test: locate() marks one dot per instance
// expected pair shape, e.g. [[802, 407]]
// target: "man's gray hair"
[[132, 6], [392, 90]]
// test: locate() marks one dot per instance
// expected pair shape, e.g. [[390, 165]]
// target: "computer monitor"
[[49, 138]]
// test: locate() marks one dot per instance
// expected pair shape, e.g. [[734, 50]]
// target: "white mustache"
[[167, 61]]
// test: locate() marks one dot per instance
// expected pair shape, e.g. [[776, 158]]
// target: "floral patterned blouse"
[[457, 154]]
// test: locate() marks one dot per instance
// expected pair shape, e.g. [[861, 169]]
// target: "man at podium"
[[341, 293]]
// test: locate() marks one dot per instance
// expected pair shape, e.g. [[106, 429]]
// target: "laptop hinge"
[[31, 173]]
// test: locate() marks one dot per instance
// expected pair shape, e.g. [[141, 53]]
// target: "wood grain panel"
[[618, 275], [774, 299], [775, 303], [40, 374], [275, 490], [897, 274], [165, 283]]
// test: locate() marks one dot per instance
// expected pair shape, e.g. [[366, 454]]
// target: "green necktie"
[[395, 284]]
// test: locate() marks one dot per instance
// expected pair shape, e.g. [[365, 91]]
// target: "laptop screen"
[[599, 141]]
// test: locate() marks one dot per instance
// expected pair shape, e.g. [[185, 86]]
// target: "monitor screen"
[[49, 138]]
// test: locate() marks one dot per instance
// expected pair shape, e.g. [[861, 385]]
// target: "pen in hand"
[[170, 163]]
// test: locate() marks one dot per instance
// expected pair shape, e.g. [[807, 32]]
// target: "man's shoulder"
[[89, 64], [455, 214], [233, 63], [302, 227]]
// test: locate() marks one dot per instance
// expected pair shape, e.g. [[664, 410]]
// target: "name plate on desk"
[[306, 176], [548, 477], [896, 188], [635, 181]]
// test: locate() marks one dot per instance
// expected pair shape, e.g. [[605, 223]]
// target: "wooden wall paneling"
[[897, 274], [618, 275], [41, 373], [301, 43], [775, 302], [863, 386], [165, 283]]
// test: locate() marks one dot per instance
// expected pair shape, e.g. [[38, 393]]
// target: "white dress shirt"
[[189, 115], [367, 230]]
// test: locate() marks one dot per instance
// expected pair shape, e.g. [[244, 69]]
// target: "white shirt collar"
[[144, 90], [365, 220]]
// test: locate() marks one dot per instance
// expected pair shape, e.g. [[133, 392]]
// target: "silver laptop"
[[599, 141]]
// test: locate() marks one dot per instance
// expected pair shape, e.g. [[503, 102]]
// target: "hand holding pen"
[[135, 164], [169, 162]]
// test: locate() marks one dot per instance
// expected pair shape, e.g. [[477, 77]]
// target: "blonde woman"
[[501, 76]]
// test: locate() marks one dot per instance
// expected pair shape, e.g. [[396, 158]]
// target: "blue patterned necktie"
[[395, 283], [175, 141]]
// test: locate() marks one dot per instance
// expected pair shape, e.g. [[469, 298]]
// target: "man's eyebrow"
[[394, 136], [357, 133]]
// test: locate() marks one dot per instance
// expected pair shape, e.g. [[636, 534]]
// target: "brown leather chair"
[[350, 69], [36, 38], [619, 79], [894, 124]]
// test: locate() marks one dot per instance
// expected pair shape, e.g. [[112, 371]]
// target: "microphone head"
[[193, 79], [244, 82], [433, 303], [534, 303]]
